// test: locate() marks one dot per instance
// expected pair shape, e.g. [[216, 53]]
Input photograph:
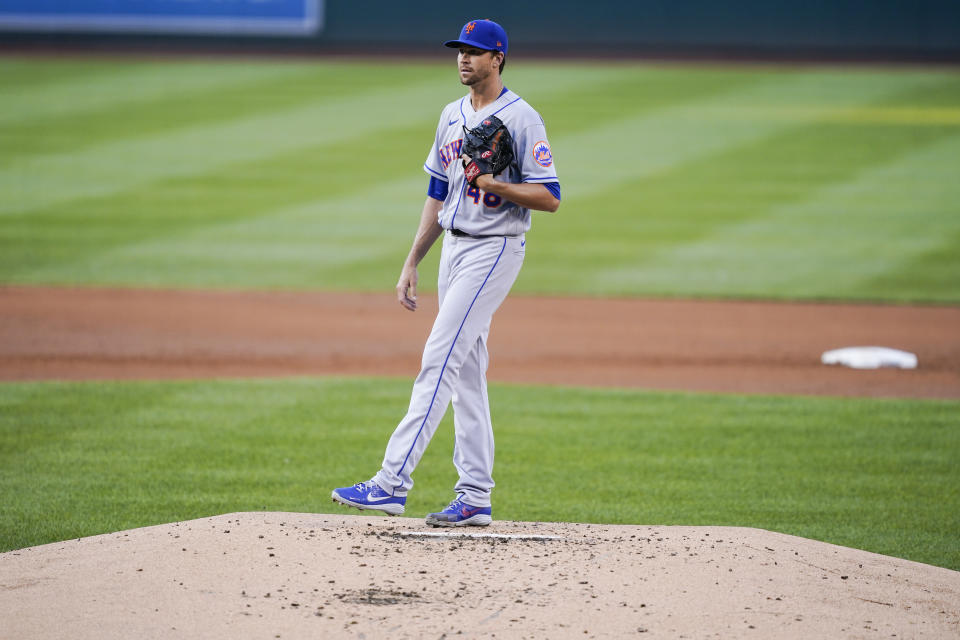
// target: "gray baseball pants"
[[475, 276]]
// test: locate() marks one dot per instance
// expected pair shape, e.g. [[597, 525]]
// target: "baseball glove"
[[489, 146]]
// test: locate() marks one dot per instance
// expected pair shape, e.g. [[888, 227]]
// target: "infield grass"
[[768, 182], [78, 459]]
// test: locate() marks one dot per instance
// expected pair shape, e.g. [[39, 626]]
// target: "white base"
[[870, 358]]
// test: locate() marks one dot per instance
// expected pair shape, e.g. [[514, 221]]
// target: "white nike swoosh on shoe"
[[377, 499]]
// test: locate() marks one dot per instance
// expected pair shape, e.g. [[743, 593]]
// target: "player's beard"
[[475, 76]]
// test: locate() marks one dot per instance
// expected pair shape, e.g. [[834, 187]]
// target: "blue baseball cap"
[[482, 34]]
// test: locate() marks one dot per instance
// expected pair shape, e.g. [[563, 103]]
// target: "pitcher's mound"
[[291, 575]]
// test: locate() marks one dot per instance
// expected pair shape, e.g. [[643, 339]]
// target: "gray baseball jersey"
[[467, 208]]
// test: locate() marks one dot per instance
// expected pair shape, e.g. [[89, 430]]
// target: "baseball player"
[[482, 211]]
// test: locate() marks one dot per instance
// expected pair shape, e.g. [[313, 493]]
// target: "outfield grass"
[[78, 459], [773, 182]]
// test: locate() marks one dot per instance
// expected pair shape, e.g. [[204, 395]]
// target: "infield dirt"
[[742, 347], [286, 575]]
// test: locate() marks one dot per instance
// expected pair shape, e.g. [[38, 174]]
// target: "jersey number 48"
[[490, 200]]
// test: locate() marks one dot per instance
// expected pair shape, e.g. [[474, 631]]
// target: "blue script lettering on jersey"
[[450, 152]]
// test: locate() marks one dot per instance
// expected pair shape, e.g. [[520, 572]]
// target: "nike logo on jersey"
[[449, 152], [453, 122]]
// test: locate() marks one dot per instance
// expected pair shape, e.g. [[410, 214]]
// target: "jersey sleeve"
[[534, 157], [433, 166]]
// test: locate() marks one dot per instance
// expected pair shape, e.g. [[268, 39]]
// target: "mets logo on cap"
[[542, 153]]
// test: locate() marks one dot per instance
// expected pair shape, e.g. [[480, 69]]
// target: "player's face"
[[476, 65]]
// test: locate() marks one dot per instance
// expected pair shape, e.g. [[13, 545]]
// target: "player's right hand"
[[407, 288]]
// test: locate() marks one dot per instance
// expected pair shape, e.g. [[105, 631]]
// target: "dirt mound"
[[286, 575], [747, 347]]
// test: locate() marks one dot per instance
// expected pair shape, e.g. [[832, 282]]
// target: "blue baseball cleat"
[[460, 514], [369, 495]]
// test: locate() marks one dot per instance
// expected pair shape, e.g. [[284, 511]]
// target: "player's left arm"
[[526, 194], [534, 161]]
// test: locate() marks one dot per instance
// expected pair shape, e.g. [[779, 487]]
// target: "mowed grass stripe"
[[30, 73], [634, 147], [343, 240], [138, 234], [678, 162], [78, 459], [331, 243], [628, 92], [117, 89], [119, 165], [178, 231], [843, 234], [228, 96], [691, 204], [934, 116], [124, 165], [659, 123], [928, 275], [695, 202], [935, 103]]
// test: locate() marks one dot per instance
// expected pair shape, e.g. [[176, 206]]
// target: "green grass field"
[[767, 182], [79, 459], [825, 183]]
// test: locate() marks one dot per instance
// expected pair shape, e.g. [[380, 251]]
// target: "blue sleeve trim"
[[434, 174], [547, 179], [554, 188], [437, 189]]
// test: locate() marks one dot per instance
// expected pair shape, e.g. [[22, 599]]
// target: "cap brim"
[[453, 44]]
